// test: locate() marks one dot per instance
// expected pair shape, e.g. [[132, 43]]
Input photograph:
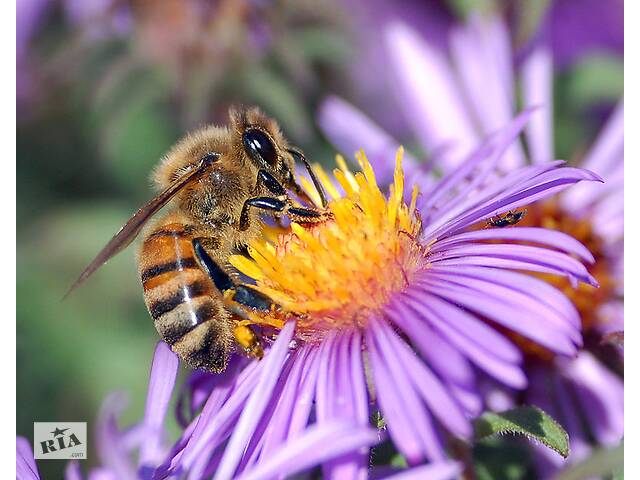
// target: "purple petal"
[[253, 449], [478, 341], [537, 289], [429, 386], [325, 389], [462, 204], [351, 130], [520, 195], [316, 445], [454, 322], [511, 316], [558, 262], [343, 406], [164, 370], [26, 468], [215, 422], [580, 27], [29, 14], [112, 452], [276, 432], [446, 360], [605, 157], [431, 99], [602, 394], [401, 405], [400, 428], [102, 474], [481, 52], [475, 170], [305, 396], [537, 76], [569, 416], [72, 471], [512, 294], [256, 403], [544, 236]]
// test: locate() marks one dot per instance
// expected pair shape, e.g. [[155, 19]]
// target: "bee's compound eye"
[[258, 146]]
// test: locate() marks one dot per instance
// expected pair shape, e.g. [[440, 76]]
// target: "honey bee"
[[509, 218], [219, 180]]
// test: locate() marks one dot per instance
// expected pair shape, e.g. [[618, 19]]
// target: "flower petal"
[[429, 387], [26, 468], [216, 421], [164, 370], [602, 394], [483, 345], [351, 130], [445, 359], [437, 113], [256, 403], [317, 444], [537, 76], [544, 236], [276, 432], [409, 423], [552, 260], [72, 471], [512, 316], [481, 52]]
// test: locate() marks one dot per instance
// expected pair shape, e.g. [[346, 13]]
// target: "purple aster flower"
[[478, 67], [384, 308], [377, 293]]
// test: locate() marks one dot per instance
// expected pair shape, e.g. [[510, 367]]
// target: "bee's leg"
[[298, 214], [298, 156], [272, 184], [280, 204], [240, 294]]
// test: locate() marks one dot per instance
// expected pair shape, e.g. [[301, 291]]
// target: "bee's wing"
[[131, 229]]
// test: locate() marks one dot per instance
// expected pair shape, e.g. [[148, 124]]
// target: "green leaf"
[[602, 462], [529, 421]]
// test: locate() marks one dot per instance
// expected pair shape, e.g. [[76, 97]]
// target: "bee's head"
[[263, 143]]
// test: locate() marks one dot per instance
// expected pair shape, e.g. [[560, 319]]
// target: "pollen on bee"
[[248, 340]]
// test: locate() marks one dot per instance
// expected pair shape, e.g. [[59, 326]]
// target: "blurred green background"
[[104, 88]]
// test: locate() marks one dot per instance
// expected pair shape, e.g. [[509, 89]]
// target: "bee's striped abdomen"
[[186, 308]]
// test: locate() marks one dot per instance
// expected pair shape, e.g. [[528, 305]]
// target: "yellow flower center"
[[338, 273]]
